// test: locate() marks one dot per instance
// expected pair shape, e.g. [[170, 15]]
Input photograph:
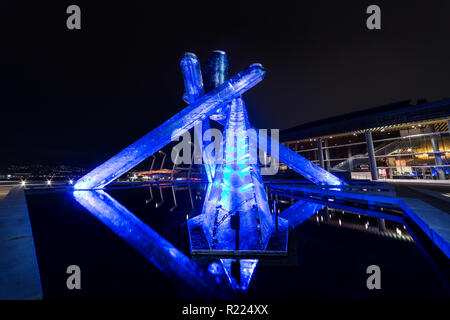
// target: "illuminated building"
[[396, 141]]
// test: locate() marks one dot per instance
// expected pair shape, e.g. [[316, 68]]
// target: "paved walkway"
[[4, 190], [431, 196], [19, 272], [429, 213]]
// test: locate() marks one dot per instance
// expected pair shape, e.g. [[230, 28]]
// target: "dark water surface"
[[328, 254]]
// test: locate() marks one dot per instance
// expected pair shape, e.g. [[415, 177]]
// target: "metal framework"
[[236, 218]]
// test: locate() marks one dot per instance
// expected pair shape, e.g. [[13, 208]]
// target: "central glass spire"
[[237, 214]]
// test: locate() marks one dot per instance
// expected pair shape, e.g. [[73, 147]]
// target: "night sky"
[[78, 97]]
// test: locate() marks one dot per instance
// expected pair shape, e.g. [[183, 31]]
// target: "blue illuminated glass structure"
[[156, 139], [235, 214], [217, 69], [239, 272], [160, 252], [237, 192], [193, 83], [300, 211], [214, 104], [192, 75], [298, 163]]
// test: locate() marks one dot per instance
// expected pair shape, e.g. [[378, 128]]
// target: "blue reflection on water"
[[300, 212], [239, 272], [146, 241], [237, 191]]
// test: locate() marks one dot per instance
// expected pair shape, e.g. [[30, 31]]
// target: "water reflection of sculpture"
[[236, 190], [235, 216], [148, 242]]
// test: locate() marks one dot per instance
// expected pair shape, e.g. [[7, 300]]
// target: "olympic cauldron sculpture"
[[235, 219]]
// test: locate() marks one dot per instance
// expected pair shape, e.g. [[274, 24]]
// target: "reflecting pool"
[[133, 243]]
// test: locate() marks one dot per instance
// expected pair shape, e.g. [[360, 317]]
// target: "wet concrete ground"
[[431, 194], [4, 191]]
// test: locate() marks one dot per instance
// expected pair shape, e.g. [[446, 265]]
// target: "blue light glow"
[[215, 269], [193, 82], [237, 187], [299, 164], [156, 139], [241, 280], [172, 262], [300, 212], [246, 187], [192, 75], [217, 69]]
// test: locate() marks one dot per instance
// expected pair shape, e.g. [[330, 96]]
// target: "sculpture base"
[[277, 246]]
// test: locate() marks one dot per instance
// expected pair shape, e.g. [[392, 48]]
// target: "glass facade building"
[[397, 141]]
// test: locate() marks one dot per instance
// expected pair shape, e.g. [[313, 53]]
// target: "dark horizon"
[[78, 97]]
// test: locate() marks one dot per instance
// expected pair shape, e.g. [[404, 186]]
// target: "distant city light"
[[23, 182], [49, 182], [70, 181]]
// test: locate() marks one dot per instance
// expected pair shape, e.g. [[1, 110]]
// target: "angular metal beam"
[[175, 126], [298, 163], [156, 249], [193, 83]]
